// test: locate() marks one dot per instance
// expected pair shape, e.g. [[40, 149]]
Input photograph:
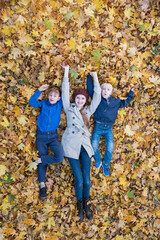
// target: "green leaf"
[[155, 49], [11, 197], [53, 39], [47, 23], [96, 53], [68, 15], [130, 194], [74, 75], [133, 68], [8, 180], [141, 28]]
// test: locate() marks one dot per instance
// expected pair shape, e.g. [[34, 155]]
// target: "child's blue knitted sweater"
[[108, 108], [49, 117]]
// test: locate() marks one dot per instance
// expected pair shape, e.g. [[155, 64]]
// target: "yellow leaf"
[[98, 4], [9, 231], [32, 166], [35, 33], [41, 77], [119, 237], [51, 222], [25, 2], [13, 99], [72, 43], [4, 15], [81, 32], [128, 12], [89, 12], [128, 131], [29, 221], [112, 11], [122, 181], [9, 42], [6, 30], [112, 80], [22, 120], [20, 21], [154, 79], [20, 146], [5, 122], [3, 170], [26, 39]]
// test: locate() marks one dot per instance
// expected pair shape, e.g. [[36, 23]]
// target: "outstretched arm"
[[96, 94], [125, 102], [33, 100], [65, 87], [90, 85]]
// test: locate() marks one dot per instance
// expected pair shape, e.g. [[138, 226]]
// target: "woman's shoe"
[[89, 213], [80, 210]]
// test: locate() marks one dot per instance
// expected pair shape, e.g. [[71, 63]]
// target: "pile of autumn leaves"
[[119, 40]]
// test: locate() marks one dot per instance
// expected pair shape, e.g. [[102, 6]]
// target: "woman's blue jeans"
[[81, 171], [104, 130], [43, 141]]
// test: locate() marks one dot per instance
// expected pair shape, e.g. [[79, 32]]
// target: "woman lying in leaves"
[[76, 142], [48, 122]]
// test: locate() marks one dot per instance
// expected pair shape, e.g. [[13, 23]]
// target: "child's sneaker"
[[42, 193], [97, 167], [105, 170]]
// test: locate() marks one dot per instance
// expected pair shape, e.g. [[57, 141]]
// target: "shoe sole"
[[97, 169], [42, 198]]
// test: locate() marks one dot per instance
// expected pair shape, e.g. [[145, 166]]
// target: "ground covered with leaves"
[[120, 40]]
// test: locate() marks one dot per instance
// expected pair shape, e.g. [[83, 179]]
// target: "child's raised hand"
[[43, 87], [133, 89]]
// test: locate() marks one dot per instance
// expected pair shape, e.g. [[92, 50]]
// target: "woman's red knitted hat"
[[82, 92]]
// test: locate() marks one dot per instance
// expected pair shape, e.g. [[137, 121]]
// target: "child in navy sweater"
[[104, 117], [48, 122]]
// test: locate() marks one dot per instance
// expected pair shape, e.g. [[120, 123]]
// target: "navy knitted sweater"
[[107, 112]]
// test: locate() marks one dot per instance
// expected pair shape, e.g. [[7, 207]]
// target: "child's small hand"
[[43, 87], [133, 89]]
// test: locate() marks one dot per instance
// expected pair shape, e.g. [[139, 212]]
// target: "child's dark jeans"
[[104, 130], [45, 139]]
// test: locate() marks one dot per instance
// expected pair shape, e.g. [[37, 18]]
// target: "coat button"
[[73, 117], [73, 132], [72, 124], [82, 133]]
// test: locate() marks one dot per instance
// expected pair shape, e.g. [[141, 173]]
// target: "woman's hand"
[[65, 67], [94, 75], [43, 87]]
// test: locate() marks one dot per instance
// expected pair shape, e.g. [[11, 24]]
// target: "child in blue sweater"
[[48, 122], [104, 117]]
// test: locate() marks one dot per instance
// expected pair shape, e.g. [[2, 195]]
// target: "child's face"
[[106, 90], [80, 100], [53, 97]]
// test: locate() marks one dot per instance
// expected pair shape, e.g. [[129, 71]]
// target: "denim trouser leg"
[[108, 136], [97, 133], [105, 131], [86, 168], [43, 141], [82, 177]]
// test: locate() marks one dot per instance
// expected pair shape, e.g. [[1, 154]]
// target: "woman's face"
[[80, 100]]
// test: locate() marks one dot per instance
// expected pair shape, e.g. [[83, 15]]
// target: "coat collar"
[[75, 110]]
